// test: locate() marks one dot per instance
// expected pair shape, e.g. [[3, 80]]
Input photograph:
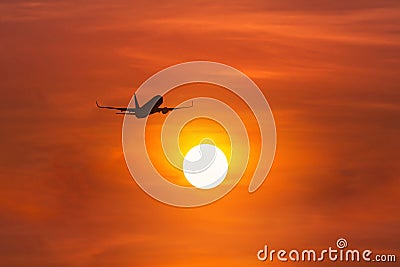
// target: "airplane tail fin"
[[136, 102]]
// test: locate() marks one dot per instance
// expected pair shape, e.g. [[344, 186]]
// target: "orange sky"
[[329, 69]]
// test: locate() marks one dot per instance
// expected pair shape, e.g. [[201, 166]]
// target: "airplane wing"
[[165, 110], [116, 108], [182, 107], [126, 113]]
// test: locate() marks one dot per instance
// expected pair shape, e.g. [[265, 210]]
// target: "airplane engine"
[[164, 110]]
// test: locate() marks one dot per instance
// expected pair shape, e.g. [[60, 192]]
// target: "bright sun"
[[205, 166]]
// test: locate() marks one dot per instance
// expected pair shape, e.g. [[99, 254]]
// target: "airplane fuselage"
[[152, 106]]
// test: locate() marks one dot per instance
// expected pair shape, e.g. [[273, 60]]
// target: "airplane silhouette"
[[151, 107]]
